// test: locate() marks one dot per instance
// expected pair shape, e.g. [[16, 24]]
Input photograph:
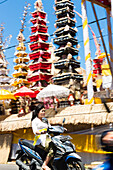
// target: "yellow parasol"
[[6, 94]]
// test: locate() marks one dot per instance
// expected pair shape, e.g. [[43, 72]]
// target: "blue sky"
[[11, 13]]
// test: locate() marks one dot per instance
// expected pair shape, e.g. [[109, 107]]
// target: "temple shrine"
[[4, 78], [21, 67], [67, 49], [40, 67]]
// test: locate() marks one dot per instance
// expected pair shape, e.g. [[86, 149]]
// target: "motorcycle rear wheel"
[[75, 165]]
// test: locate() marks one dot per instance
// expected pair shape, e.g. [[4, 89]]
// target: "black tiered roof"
[[64, 31], [66, 50], [65, 21], [65, 39], [63, 4], [64, 12], [68, 76], [66, 63]]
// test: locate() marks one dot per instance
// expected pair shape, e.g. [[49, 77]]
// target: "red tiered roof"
[[34, 37], [39, 77], [39, 28], [37, 66], [97, 66], [37, 54], [39, 48], [41, 14], [98, 71], [98, 60], [38, 21], [39, 45]]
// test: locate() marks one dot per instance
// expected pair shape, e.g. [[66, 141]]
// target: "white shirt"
[[37, 125]]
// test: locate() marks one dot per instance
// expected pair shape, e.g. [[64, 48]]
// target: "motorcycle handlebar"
[[56, 129]]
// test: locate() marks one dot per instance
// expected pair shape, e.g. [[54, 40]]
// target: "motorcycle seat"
[[27, 143]]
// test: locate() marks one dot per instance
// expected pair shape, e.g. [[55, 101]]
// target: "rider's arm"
[[108, 137], [38, 132]]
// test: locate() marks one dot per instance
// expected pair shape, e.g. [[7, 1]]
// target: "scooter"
[[108, 147], [30, 157]]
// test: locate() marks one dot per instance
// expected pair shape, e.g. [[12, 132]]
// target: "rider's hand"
[[108, 138], [43, 132]]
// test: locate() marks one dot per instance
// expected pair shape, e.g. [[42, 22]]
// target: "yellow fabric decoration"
[[102, 55], [98, 82], [106, 70], [89, 76], [82, 142], [86, 101], [86, 143], [21, 134], [37, 137], [97, 100]]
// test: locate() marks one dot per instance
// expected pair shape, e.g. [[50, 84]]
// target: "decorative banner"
[[87, 53]]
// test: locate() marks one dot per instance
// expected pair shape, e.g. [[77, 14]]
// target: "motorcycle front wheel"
[[27, 161], [75, 165]]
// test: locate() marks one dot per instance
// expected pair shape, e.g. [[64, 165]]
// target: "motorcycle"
[[30, 157], [108, 147]]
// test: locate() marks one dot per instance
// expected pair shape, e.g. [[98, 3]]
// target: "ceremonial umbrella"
[[53, 91], [24, 91], [6, 94]]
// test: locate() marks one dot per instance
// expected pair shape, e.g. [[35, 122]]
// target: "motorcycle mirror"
[[63, 121], [45, 120]]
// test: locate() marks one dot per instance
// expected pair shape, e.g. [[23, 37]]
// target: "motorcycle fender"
[[73, 156], [19, 153]]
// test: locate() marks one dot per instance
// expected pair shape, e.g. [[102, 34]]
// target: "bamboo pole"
[[110, 37], [102, 39], [112, 8], [87, 54]]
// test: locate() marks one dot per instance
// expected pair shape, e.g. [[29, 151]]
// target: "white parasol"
[[53, 90]]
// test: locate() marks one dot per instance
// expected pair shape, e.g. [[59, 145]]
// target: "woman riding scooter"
[[42, 139]]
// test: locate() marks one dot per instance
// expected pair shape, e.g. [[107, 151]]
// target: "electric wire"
[[78, 43], [53, 34], [3, 1]]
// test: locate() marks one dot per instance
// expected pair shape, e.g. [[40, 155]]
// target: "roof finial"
[[1, 33], [38, 4], [20, 37], [24, 17]]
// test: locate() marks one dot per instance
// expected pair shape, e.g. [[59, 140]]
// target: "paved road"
[[8, 167]]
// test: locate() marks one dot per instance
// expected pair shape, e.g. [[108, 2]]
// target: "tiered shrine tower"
[[67, 46], [21, 67], [22, 60], [40, 67], [4, 78]]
